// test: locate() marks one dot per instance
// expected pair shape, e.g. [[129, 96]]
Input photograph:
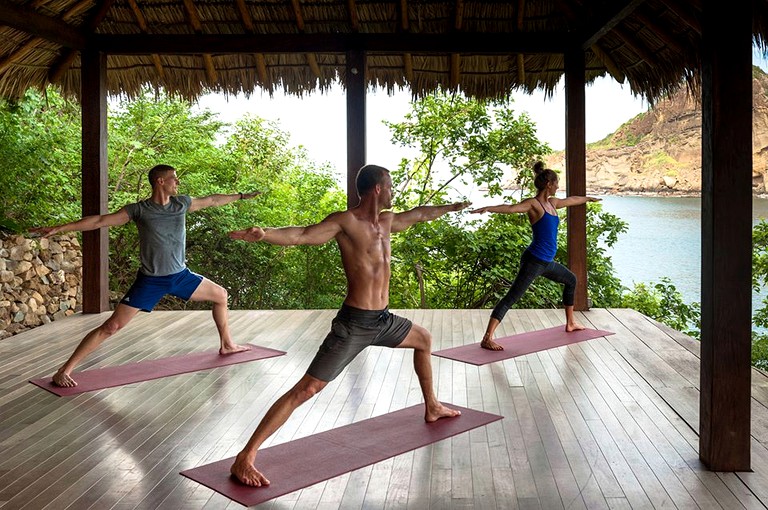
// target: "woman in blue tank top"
[[538, 258]]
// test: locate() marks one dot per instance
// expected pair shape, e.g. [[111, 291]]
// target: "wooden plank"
[[582, 429]]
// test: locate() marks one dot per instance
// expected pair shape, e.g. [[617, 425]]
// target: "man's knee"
[[422, 338], [307, 388], [220, 294], [110, 327]]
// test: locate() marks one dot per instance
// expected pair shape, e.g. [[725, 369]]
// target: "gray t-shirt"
[[162, 234]]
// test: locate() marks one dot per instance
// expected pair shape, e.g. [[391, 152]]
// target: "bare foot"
[[63, 380], [488, 343], [244, 471], [574, 326], [233, 348], [438, 411]]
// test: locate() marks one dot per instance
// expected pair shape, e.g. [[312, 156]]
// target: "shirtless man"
[[162, 247], [363, 235]]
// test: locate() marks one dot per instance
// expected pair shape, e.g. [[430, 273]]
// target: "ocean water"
[[663, 238]]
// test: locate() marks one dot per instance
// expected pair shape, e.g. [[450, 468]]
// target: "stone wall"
[[40, 281]]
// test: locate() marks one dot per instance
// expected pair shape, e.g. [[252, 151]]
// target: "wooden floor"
[[607, 423]]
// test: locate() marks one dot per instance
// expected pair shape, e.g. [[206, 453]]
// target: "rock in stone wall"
[[40, 281]]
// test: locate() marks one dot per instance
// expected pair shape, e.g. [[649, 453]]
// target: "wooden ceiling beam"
[[454, 69], [142, 22], [261, 63], [261, 71], [609, 63], [405, 25], [685, 15], [607, 21], [597, 48], [77, 9], [197, 25], [298, 14], [354, 20], [35, 24], [32, 42], [660, 33], [60, 66], [635, 47], [476, 43], [408, 67], [210, 69], [193, 16], [245, 15]]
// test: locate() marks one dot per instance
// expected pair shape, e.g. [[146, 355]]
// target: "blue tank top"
[[544, 245]]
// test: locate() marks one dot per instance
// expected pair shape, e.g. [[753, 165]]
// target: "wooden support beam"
[[356, 121], [93, 101], [576, 171], [519, 25], [726, 238], [44, 27]]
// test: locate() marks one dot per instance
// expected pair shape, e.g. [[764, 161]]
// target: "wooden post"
[[726, 237], [356, 113], [93, 101], [576, 171]]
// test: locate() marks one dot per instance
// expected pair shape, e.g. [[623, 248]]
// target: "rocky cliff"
[[659, 151]]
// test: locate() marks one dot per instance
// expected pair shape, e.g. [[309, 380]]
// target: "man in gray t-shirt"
[[160, 220]]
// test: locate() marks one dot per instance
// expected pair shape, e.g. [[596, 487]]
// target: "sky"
[[318, 121]]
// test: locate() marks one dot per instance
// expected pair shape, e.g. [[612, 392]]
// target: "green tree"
[[40, 149], [455, 262], [759, 284]]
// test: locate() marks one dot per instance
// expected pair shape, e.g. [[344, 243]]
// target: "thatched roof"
[[482, 48]]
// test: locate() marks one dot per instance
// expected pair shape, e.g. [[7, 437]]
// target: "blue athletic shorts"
[[147, 291]]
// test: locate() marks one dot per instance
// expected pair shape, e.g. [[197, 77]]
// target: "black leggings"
[[530, 268]]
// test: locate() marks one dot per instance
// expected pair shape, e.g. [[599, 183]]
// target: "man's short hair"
[[158, 171], [368, 177]]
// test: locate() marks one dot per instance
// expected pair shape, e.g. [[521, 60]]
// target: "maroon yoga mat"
[[109, 377], [517, 345], [298, 464]]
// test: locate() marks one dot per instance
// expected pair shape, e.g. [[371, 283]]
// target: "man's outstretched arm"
[[318, 233], [88, 223], [403, 220], [219, 199]]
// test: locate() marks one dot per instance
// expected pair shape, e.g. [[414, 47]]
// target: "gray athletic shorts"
[[352, 331]]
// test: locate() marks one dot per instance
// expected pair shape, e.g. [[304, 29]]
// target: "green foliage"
[[40, 150], [759, 283], [460, 142], [663, 302], [457, 261], [760, 351]]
